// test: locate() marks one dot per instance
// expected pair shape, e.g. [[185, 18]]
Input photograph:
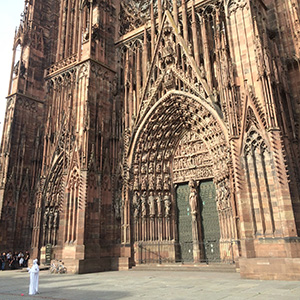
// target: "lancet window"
[[260, 180]]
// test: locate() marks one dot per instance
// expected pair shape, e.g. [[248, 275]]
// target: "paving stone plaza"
[[145, 285]]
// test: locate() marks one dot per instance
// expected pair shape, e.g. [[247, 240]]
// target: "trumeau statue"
[[193, 197]]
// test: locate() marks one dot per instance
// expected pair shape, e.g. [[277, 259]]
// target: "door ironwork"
[[184, 223], [209, 221]]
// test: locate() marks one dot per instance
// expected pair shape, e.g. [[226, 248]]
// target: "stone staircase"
[[212, 267]]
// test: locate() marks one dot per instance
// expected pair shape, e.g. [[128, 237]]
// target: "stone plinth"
[[270, 268]]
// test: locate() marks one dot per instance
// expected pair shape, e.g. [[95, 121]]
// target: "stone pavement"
[[135, 284]]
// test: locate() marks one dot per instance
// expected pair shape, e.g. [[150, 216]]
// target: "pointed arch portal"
[[179, 158]]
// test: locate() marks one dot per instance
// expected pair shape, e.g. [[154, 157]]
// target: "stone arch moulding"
[[175, 93], [18, 42]]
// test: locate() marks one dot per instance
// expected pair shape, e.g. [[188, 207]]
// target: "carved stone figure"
[[159, 202], [193, 198], [159, 183], [143, 169], [167, 183], [151, 168], [135, 199], [144, 183], [202, 72], [51, 215], [167, 202], [223, 194], [166, 167], [136, 212], [158, 167], [144, 205], [46, 216], [151, 202], [168, 154], [55, 220], [151, 182], [168, 53], [136, 184]]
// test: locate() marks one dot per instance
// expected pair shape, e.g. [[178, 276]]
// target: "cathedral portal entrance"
[[177, 190]]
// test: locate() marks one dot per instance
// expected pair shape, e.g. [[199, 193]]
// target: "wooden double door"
[[207, 223]]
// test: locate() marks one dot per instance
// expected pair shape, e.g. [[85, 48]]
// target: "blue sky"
[[9, 19]]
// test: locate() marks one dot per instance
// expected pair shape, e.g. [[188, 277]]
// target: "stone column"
[[160, 215], [185, 22], [152, 215], [144, 216], [159, 10], [175, 12], [152, 30], [145, 57]]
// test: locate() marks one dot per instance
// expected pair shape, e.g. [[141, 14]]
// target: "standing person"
[[2, 261], [26, 258], [21, 259], [14, 261], [9, 258], [34, 278]]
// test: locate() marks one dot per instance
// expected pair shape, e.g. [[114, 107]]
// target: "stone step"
[[213, 267]]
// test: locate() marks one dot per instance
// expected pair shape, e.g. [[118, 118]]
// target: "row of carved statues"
[[148, 204], [50, 225], [151, 205]]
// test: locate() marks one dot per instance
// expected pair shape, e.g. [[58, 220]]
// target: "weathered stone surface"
[[114, 105]]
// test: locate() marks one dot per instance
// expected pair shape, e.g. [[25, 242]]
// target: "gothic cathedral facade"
[[154, 131]]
